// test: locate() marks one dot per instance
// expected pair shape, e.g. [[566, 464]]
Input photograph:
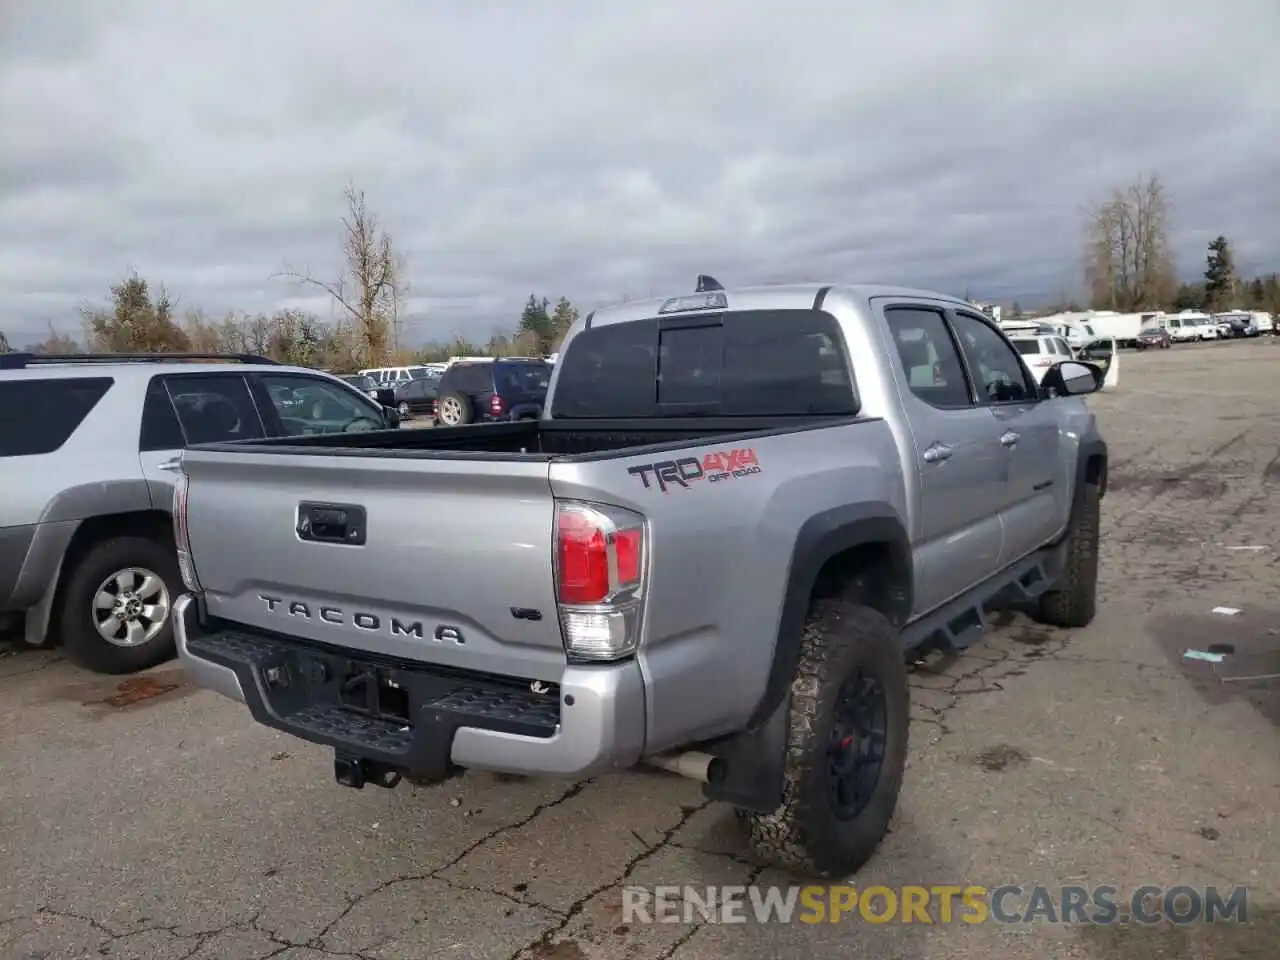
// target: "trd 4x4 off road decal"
[[712, 467]]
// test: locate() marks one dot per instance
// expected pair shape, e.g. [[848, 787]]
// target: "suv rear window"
[[63, 403], [521, 378], [738, 363], [1027, 347]]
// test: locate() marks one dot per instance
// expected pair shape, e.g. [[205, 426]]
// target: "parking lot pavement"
[[144, 819]]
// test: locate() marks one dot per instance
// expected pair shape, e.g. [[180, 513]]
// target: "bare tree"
[[57, 343], [369, 290], [1128, 264]]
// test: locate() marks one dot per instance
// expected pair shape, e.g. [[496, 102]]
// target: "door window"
[[995, 365], [160, 427], [214, 408], [310, 406], [929, 359]]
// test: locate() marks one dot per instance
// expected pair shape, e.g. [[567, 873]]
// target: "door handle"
[[936, 453], [1009, 439], [173, 466]]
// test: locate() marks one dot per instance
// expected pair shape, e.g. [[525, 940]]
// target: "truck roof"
[[796, 296]]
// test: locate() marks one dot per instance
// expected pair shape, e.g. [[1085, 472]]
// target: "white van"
[[1183, 328], [391, 376]]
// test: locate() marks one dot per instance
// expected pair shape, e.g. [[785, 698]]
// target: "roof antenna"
[[707, 282]]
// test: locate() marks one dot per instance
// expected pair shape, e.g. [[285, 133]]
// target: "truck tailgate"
[[451, 564]]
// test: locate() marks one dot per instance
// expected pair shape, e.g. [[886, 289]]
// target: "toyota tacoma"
[[738, 514]]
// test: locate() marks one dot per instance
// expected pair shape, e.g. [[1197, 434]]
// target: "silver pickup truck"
[[739, 511]]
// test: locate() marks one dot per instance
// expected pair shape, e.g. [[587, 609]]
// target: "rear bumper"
[[594, 721]]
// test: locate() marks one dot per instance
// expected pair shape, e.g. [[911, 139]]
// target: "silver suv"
[[88, 444]]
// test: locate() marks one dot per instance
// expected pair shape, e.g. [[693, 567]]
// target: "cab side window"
[[1000, 374], [928, 355], [212, 408], [309, 406]]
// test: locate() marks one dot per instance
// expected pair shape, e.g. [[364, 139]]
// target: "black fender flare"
[[1091, 467], [821, 537]]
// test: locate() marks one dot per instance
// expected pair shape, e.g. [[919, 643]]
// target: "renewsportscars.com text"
[[938, 904]]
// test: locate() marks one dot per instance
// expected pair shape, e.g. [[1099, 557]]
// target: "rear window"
[[523, 378], [62, 404], [742, 363], [1027, 347]]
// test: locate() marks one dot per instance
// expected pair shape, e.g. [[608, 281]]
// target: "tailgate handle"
[[331, 523]]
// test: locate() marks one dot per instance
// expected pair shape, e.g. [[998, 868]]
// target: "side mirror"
[[1072, 378], [386, 396], [391, 416]]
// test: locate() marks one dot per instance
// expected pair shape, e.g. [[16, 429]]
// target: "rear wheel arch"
[[860, 553], [848, 557], [152, 524]]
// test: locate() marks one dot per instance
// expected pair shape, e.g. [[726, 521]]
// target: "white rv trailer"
[[1121, 327]]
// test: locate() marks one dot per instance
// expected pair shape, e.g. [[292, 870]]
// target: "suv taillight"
[[495, 405], [600, 571], [181, 536]]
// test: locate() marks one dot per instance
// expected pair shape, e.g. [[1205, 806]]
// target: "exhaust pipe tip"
[[693, 765]]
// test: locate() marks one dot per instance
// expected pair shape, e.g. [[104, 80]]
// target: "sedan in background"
[[1157, 337], [417, 397], [372, 389]]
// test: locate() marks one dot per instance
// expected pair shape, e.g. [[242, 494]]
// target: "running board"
[[962, 622]]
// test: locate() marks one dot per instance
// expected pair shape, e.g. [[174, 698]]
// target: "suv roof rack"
[[19, 361]]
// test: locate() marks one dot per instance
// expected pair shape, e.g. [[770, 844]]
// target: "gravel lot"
[[173, 827]]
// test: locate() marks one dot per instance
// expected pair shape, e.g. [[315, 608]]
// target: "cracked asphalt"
[[145, 819]]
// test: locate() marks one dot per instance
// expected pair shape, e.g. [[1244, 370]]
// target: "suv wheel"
[[117, 606], [454, 409], [846, 749]]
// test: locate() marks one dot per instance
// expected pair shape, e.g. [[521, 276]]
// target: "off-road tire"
[[1073, 601], [80, 638], [803, 835]]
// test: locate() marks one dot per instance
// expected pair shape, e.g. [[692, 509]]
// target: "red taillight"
[[588, 545], [583, 560], [495, 405], [628, 543], [600, 575]]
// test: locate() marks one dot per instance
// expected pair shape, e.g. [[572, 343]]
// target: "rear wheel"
[[846, 748], [454, 410], [116, 615]]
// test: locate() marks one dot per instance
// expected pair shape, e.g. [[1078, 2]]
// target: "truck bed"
[[451, 529], [535, 440]]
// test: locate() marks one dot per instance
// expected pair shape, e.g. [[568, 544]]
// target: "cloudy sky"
[[602, 151]]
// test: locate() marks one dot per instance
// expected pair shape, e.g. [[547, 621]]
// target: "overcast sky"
[[605, 150]]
